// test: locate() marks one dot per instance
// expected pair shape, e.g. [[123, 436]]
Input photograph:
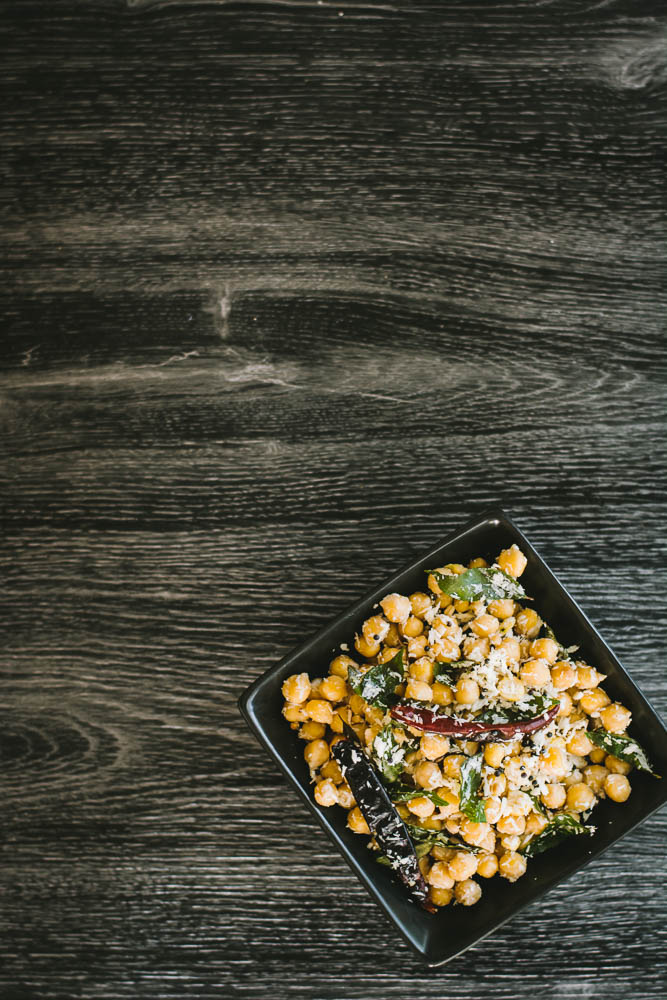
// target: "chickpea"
[[474, 833], [512, 866], [511, 825], [439, 876], [396, 608], [428, 775], [496, 784], [597, 755], [442, 694], [295, 713], [617, 787], [476, 648], [316, 753], [345, 797], [512, 769], [434, 745], [535, 673], [446, 650], [579, 744], [326, 793], [374, 716], [512, 561], [544, 649], [319, 711], [489, 843], [333, 688], [519, 803], [468, 892], [511, 648], [356, 703], [375, 628], [461, 607], [332, 770], [441, 897], [485, 625], [535, 823], [553, 796], [421, 806], [495, 753], [511, 842], [487, 865], [451, 765], [492, 808], [413, 627], [424, 865], [477, 563], [554, 762], [617, 766], [565, 705], [511, 688], [419, 603], [563, 675], [462, 865], [595, 776], [580, 797], [312, 731], [296, 689], [430, 823], [451, 798], [418, 690], [422, 670], [588, 677], [417, 646], [502, 608], [356, 821], [453, 822], [365, 647], [388, 653], [340, 666], [528, 623], [466, 690], [615, 718], [591, 702], [393, 636]]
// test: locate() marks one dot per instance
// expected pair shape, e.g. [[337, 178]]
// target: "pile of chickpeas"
[[577, 772]]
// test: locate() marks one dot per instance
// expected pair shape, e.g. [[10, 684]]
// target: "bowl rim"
[[493, 516]]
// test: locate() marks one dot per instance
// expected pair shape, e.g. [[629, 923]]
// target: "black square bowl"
[[441, 936]]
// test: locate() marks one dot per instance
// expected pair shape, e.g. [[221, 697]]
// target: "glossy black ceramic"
[[440, 937]]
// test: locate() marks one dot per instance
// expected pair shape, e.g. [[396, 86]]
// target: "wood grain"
[[290, 291]]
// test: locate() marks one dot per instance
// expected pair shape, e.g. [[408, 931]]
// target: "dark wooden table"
[[291, 290]]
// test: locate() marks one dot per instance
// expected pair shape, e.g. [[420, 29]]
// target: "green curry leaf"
[[558, 829], [537, 704], [621, 746], [490, 583], [388, 754], [471, 778], [400, 792], [424, 840], [377, 685]]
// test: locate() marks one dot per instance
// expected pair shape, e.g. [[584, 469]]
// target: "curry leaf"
[[536, 704], [436, 838], [447, 673], [558, 829], [388, 753], [399, 792], [621, 746], [377, 685], [471, 778], [490, 583]]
